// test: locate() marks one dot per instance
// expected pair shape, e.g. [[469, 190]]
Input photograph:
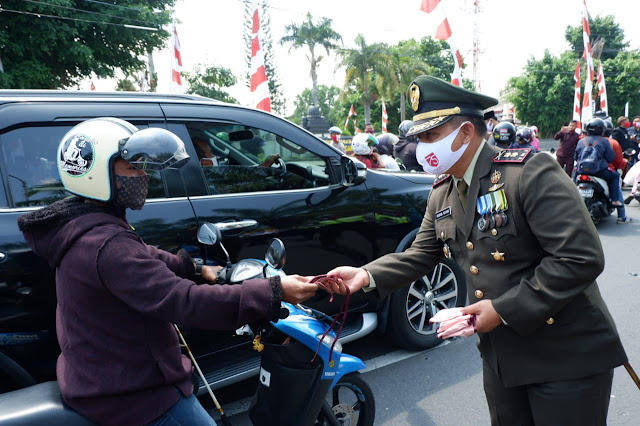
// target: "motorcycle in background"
[[595, 193]]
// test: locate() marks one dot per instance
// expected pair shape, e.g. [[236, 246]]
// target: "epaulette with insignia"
[[511, 155], [440, 178]]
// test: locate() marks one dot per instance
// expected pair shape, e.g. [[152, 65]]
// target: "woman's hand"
[[297, 289]]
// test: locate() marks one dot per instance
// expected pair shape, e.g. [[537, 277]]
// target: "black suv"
[[327, 208]]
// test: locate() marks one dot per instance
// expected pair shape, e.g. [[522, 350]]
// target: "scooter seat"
[[39, 404]]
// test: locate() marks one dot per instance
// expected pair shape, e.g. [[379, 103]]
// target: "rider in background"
[[524, 138], [604, 155], [405, 148], [335, 133], [504, 134]]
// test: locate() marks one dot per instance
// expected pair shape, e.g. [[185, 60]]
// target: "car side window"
[[237, 158], [31, 169]]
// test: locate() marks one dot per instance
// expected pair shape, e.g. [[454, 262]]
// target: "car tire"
[[412, 307]]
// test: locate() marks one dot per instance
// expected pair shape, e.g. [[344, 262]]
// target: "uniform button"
[[494, 232], [474, 270], [479, 294], [442, 235], [550, 321], [469, 245]]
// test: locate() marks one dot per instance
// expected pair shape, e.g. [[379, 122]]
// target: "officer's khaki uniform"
[[538, 270]]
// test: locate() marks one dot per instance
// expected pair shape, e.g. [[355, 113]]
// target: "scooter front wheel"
[[352, 403]]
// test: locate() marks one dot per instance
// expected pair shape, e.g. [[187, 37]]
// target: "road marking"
[[242, 405]]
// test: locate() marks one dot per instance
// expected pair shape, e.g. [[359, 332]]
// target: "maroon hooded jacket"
[[117, 299]]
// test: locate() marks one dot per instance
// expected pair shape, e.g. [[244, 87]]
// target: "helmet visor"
[[153, 149]]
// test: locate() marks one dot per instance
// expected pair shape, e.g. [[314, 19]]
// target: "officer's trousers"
[[582, 401]]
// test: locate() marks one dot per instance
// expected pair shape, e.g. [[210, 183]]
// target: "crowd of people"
[[382, 151]]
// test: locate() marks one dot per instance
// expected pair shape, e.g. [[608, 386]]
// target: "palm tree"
[[406, 66], [311, 35], [365, 64]]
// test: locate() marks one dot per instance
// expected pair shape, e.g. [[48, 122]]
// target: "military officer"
[[515, 223]]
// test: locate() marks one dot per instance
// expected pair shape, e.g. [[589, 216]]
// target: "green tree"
[[544, 94], [40, 52], [125, 85], [622, 78], [405, 66], [366, 65], [208, 81], [607, 38], [328, 102], [311, 35], [278, 104]]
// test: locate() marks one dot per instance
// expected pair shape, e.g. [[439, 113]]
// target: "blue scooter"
[[303, 380]]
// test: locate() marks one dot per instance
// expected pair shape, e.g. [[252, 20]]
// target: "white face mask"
[[437, 157]]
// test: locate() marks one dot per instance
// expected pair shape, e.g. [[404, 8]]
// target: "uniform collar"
[[468, 174]]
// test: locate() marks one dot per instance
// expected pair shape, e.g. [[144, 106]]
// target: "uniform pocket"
[[445, 229]]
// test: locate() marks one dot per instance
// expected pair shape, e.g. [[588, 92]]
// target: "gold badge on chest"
[[495, 178]]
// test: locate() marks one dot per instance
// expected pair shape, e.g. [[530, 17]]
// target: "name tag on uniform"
[[443, 213]]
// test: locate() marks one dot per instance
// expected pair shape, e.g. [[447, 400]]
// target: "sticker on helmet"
[[76, 156]]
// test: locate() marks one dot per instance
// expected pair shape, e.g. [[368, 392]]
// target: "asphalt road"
[[443, 386]]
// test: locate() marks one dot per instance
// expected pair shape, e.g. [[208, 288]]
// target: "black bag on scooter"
[[287, 382]]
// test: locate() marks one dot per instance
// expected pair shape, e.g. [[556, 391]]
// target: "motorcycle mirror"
[[209, 234], [276, 255]]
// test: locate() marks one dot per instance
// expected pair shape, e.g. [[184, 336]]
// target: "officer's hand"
[[486, 316], [354, 278], [210, 273], [297, 289]]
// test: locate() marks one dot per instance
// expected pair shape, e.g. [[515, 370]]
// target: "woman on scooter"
[[117, 296]]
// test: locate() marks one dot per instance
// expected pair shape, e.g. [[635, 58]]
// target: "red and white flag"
[[385, 117], [259, 84], [443, 32], [176, 64], [602, 91], [351, 112], [587, 107], [576, 99], [93, 87]]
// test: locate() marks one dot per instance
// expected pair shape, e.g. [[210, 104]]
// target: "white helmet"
[[335, 129], [87, 152], [362, 143]]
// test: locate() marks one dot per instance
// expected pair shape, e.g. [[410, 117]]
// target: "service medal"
[[482, 224], [495, 177]]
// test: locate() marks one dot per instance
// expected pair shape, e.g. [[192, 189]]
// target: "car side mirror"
[[209, 234], [353, 172]]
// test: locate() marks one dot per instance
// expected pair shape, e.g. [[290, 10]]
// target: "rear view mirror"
[[353, 172], [209, 234], [241, 135], [276, 255]]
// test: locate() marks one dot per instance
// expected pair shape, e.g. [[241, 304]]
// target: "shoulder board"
[[511, 155], [440, 179]]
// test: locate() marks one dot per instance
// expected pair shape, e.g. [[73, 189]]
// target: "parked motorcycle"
[[595, 193], [305, 379]]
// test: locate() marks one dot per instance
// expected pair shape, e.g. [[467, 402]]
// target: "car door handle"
[[240, 224], [3, 257]]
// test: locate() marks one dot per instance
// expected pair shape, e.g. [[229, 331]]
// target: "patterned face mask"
[[132, 192]]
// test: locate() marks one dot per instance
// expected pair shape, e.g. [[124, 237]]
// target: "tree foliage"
[[311, 35], [208, 81], [125, 85], [41, 52], [604, 31], [543, 95], [328, 102]]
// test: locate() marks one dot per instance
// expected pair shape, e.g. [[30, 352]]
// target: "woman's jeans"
[[187, 411]]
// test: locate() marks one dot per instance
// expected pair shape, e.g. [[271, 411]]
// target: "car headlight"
[[246, 270]]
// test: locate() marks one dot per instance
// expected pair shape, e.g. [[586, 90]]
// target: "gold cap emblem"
[[414, 96]]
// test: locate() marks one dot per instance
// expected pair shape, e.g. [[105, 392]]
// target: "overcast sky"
[[509, 32]]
